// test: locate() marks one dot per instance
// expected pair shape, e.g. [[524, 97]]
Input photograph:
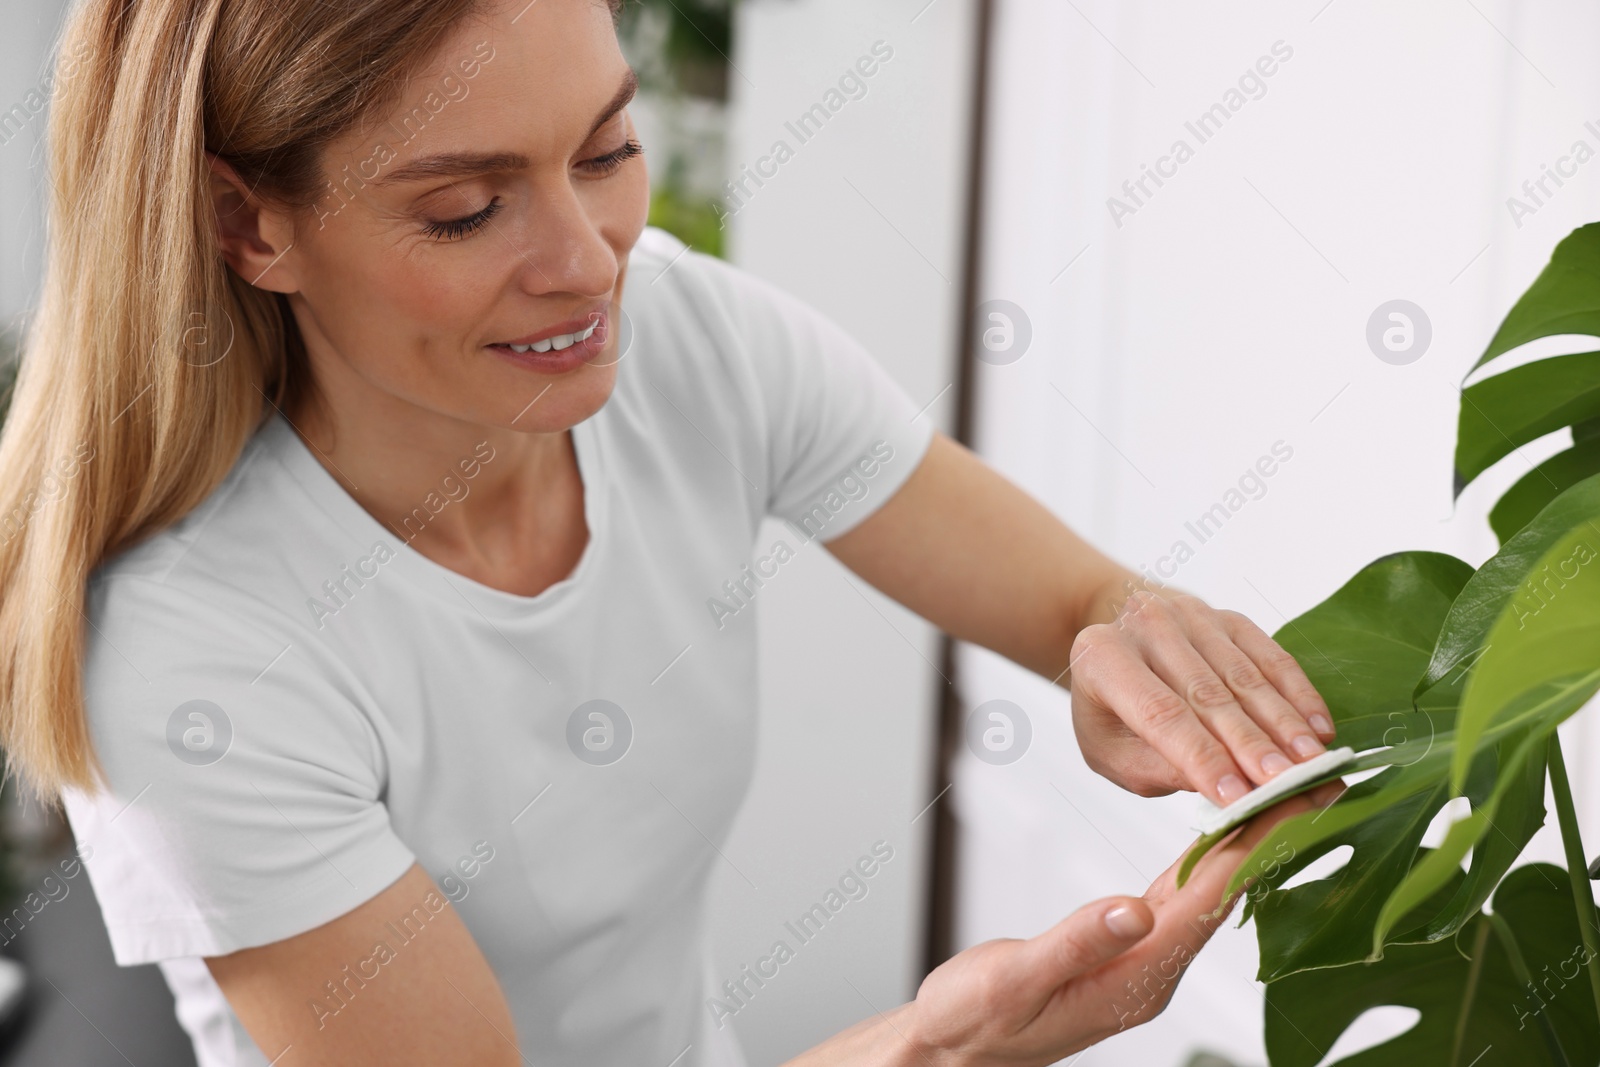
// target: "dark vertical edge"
[[939, 935]]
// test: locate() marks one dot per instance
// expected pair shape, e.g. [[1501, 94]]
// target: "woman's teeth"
[[558, 342]]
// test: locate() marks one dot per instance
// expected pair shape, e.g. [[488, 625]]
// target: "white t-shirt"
[[566, 765]]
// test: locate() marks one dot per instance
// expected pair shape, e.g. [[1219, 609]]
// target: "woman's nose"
[[566, 249]]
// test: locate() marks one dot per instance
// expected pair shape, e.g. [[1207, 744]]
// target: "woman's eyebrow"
[[472, 164], [625, 91]]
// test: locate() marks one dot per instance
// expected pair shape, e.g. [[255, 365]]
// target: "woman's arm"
[[330, 997], [1168, 693]]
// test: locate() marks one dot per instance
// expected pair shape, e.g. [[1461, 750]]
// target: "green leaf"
[[1406, 754], [1515, 813], [1533, 491], [1541, 658], [1563, 299], [1507, 810], [1378, 896], [1466, 627], [1328, 922], [1308, 835], [1466, 989], [1502, 413], [1365, 646]]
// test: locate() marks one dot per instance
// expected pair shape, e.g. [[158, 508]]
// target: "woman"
[[390, 539]]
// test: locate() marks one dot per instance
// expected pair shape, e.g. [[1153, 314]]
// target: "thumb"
[[1091, 936]]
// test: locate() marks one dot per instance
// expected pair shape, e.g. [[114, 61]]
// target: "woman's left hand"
[[1175, 694]]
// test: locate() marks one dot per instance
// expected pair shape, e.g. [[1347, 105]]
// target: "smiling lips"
[[561, 336]]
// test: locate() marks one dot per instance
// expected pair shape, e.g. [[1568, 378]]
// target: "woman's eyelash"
[[609, 162], [455, 229]]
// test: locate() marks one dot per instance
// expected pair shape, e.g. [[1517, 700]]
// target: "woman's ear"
[[254, 237]]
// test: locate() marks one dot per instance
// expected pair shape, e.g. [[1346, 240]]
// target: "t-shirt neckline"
[[445, 583]]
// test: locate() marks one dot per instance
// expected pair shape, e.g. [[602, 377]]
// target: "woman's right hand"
[[1109, 965]]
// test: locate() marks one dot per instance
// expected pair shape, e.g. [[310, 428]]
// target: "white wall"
[[863, 222], [1230, 312], [30, 34]]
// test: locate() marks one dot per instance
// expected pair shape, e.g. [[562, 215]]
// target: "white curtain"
[[1358, 152]]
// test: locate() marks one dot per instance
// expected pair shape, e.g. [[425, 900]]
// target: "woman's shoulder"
[[177, 649], [216, 570], [159, 552]]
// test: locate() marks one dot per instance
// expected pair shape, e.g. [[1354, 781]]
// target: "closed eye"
[[456, 229], [611, 162]]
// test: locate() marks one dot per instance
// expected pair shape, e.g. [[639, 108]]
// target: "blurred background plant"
[[680, 49], [691, 40], [9, 344], [10, 860]]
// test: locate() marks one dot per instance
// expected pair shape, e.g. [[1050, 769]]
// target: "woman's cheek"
[[447, 290]]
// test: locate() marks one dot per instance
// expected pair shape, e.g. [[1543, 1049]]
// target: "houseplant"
[[680, 49], [1450, 681]]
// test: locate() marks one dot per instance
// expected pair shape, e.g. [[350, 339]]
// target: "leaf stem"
[[1519, 966], [1577, 866], [1480, 943]]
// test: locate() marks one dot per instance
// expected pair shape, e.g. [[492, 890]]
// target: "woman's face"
[[496, 204]]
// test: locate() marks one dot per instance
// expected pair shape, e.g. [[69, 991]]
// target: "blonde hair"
[[148, 364]]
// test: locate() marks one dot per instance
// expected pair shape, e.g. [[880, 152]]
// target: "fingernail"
[[1320, 724], [1231, 788], [1306, 745], [1126, 923], [1274, 763]]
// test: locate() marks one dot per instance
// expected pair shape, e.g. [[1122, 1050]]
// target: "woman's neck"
[[503, 507]]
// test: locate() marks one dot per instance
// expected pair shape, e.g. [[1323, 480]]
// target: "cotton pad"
[[1297, 779]]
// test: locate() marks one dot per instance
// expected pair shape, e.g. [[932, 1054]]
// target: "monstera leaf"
[[1474, 993], [1366, 645], [1541, 658], [1540, 662], [1465, 631], [1503, 413], [1451, 684], [1533, 491], [1507, 810], [1329, 922], [1565, 298], [1506, 792], [1364, 648]]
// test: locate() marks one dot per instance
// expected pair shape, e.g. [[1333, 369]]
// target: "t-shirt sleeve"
[[841, 435], [244, 793]]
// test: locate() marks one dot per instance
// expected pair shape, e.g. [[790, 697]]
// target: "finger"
[[1212, 874], [1284, 672], [1134, 985], [1269, 863], [1260, 698], [1326, 793], [1122, 680], [1085, 940], [1176, 662], [1125, 757], [1234, 848]]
